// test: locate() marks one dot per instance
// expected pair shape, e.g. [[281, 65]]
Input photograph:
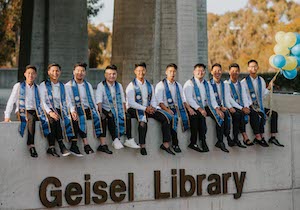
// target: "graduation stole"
[[118, 112], [64, 112], [38, 108], [180, 109], [219, 120], [256, 99], [80, 110]]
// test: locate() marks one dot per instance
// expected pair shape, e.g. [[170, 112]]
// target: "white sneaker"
[[117, 144], [131, 143]]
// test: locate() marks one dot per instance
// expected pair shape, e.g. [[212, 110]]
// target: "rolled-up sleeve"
[[188, 91], [130, 95]]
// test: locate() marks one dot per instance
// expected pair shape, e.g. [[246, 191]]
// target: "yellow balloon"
[[291, 63], [271, 61], [279, 36], [289, 39], [281, 50]]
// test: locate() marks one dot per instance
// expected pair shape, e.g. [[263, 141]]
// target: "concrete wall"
[[272, 174]]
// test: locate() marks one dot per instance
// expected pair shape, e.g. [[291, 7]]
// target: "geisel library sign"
[[118, 190]]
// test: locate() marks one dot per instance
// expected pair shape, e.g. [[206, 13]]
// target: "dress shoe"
[[176, 148], [221, 145], [75, 150], [274, 141], [117, 144], [231, 143], [195, 147], [204, 146], [64, 151], [104, 148], [247, 142], [168, 150], [52, 151], [143, 151], [261, 142], [88, 149], [239, 144], [33, 152], [131, 143]]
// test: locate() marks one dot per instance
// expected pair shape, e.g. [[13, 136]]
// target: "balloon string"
[[271, 93]]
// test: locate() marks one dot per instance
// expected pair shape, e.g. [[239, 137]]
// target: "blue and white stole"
[[180, 109], [38, 108], [81, 112], [257, 100], [65, 114], [119, 114], [238, 97], [219, 120]]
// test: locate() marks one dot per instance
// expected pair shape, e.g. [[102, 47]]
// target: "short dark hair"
[[142, 64], [81, 64], [112, 66], [54, 64], [172, 65], [216, 64], [251, 61], [200, 65], [30, 67], [234, 65]]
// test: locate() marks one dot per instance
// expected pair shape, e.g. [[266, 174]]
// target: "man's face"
[[199, 73], [110, 75], [54, 73], [234, 73], [253, 68], [139, 72], [216, 72], [30, 75], [171, 73], [79, 73]]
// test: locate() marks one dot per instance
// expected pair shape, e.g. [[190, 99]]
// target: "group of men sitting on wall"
[[63, 109]]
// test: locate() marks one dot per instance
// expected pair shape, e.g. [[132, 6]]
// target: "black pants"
[[257, 121], [76, 128], [31, 119], [56, 130], [142, 129], [219, 129], [110, 121], [238, 123], [198, 125]]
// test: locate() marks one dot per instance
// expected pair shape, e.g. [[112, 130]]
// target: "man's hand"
[[191, 111], [54, 115], [74, 116], [232, 110], [223, 108], [150, 110], [170, 111], [7, 120], [202, 111], [246, 110], [220, 113]]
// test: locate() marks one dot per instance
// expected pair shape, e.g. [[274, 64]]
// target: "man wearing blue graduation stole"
[[240, 103], [200, 96], [53, 95], [28, 107], [170, 98], [141, 104], [110, 99], [256, 91], [83, 107]]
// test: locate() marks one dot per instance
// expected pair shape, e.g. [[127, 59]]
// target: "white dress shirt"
[[130, 96], [234, 103], [45, 97], [160, 93], [101, 96], [14, 98], [190, 96], [225, 103]]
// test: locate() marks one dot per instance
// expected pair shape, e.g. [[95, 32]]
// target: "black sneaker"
[[52, 151], [33, 152], [274, 141], [104, 148], [261, 142], [143, 151], [195, 147], [176, 148], [204, 146], [75, 150], [64, 151], [88, 149], [168, 150], [221, 145]]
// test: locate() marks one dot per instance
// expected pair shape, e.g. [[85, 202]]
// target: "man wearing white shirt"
[[239, 102], [56, 107], [112, 108], [169, 96], [256, 91], [200, 96], [141, 104]]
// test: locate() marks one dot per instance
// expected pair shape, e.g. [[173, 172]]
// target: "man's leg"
[[31, 119], [274, 127]]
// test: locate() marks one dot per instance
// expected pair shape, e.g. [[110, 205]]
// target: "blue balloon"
[[298, 38], [290, 74], [298, 59], [279, 61], [296, 50]]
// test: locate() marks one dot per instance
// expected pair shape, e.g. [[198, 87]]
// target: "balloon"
[[291, 63], [290, 74], [279, 36], [271, 61], [298, 60], [296, 50], [289, 39], [279, 61], [279, 49], [298, 38]]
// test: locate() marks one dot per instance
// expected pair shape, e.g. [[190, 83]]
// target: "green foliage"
[[93, 7]]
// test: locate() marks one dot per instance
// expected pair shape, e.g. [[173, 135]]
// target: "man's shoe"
[[239, 144], [104, 148], [221, 145], [195, 147], [117, 144], [143, 151], [168, 150], [231, 143], [247, 142], [176, 148], [261, 142], [33, 152], [64, 151], [75, 150], [52, 151], [131, 143], [275, 142], [204, 146], [88, 149]]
